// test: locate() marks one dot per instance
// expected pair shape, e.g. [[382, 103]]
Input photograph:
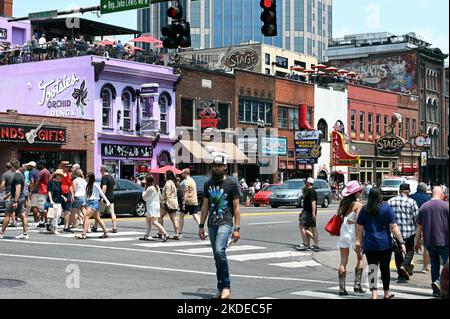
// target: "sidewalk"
[[332, 259]]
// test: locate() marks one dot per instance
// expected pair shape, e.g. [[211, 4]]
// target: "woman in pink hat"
[[348, 211]]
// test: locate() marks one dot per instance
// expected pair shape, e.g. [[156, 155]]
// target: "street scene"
[[223, 149]]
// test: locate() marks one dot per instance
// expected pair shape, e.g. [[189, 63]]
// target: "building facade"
[[14, 33], [304, 26]]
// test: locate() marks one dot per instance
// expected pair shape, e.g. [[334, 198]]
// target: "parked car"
[[291, 194], [128, 198], [262, 197], [200, 181]]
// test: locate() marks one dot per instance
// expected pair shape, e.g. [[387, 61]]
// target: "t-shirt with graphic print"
[[220, 198]]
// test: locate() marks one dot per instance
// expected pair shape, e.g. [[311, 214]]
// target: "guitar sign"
[[31, 135]]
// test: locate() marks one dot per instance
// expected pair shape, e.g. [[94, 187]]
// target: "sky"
[[428, 18]]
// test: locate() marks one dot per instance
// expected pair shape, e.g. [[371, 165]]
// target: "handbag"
[[333, 226]]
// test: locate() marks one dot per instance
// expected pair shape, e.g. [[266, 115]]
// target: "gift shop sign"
[[32, 134], [66, 96]]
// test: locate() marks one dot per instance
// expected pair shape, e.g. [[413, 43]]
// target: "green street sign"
[[111, 6], [43, 15]]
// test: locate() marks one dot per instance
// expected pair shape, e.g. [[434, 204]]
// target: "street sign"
[[43, 15], [112, 6]]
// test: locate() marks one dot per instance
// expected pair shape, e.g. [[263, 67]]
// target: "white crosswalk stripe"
[[115, 239], [297, 264], [316, 294], [411, 292], [259, 256], [174, 244], [96, 235], [230, 249]]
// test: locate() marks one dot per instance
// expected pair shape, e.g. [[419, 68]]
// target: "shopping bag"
[[333, 227]]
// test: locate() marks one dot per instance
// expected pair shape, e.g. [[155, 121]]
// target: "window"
[[400, 129], [127, 111], [323, 127], [283, 117], [362, 118], [385, 164], [268, 71], [386, 124], [293, 119], [353, 122], [378, 124], [106, 108], [267, 57], [250, 110], [414, 127], [408, 135], [187, 111], [163, 116], [224, 110], [291, 153], [309, 116], [281, 62], [370, 121]]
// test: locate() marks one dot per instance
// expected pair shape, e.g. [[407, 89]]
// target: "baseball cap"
[[220, 159], [405, 187], [310, 180], [32, 164]]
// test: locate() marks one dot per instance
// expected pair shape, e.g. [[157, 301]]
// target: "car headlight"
[[293, 196], [272, 196]]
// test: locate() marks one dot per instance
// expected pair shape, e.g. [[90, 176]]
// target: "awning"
[[203, 151], [194, 148]]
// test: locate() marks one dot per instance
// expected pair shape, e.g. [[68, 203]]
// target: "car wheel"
[[140, 209], [256, 205], [274, 206], [326, 202]]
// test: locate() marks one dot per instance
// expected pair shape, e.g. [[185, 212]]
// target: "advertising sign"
[[390, 145], [243, 59], [339, 156], [3, 33], [114, 150], [248, 145], [32, 134], [307, 146], [423, 159], [208, 114], [274, 146]]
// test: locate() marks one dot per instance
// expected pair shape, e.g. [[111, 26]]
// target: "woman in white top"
[[93, 194], [79, 204], [348, 211], [151, 197]]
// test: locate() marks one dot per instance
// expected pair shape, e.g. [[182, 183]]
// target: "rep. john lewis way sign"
[[111, 6]]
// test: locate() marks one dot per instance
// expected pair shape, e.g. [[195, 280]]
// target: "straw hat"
[[59, 172]]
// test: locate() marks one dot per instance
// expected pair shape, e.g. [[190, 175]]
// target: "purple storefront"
[[131, 134]]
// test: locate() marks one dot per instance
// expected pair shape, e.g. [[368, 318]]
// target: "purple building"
[[132, 134], [14, 33]]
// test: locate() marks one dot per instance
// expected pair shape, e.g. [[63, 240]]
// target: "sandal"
[[146, 238], [390, 296], [81, 236], [157, 236], [165, 238], [175, 237], [114, 231], [105, 235]]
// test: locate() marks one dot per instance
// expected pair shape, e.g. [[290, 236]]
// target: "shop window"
[[251, 111], [369, 164], [363, 164], [127, 99], [369, 177], [106, 107], [224, 110], [323, 127], [163, 115], [283, 117], [187, 112], [353, 122]]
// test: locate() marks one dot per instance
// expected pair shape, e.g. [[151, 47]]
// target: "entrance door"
[[127, 172]]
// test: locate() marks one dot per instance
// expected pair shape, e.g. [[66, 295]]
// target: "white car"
[[390, 187]]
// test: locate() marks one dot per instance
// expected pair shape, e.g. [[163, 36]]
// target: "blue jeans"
[[219, 235], [437, 254]]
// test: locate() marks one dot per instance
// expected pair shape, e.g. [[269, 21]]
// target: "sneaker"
[[164, 237], [410, 269], [401, 280], [404, 273], [1, 235], [23, 236], [67, 230], [226, 293], [114, 231], [41, 225], [315, 248], [61, 222], [302, 247], [94, 229], [436, 286]]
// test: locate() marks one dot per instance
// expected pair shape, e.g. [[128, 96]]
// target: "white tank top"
[[80, 190]]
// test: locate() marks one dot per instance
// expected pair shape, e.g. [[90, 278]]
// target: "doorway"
[[127, 172]]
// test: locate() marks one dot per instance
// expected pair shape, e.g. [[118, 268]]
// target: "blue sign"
[[307, 146], [274, 146]]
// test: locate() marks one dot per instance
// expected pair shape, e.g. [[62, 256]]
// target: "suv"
[[390, 187], [291, 194]]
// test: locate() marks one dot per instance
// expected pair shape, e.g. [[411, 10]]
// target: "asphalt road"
[[263, 264]]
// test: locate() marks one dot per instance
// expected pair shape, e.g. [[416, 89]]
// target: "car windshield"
[[270, 188], [292, 185], [391, 183]]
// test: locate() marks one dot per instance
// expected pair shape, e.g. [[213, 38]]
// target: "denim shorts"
[[93, 204], [79, 202]]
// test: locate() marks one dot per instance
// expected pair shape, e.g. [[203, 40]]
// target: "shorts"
[[167, 210], [20, 206], [190, 209], [306, 220], [79, 202], [93, 204], [106, 209], [67, 206], [38, 200]]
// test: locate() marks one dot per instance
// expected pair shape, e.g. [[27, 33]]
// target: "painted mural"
[[395, 73]]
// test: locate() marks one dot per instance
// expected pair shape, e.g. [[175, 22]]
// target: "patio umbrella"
[[163, 170], [309, 71], [351, 74], [342, 71], [331, 69], [145, 39], [134, 48], [106, 42], [319, 66], [159, 46], [297, 68]]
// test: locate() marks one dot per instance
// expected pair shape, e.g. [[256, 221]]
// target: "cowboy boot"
[[342, 291], [358, 278]]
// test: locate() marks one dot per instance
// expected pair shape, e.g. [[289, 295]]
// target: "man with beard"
[[221, 204]]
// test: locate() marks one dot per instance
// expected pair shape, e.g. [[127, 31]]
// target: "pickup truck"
[[390, 187]]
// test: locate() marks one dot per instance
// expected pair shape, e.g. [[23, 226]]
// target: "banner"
[[339, 156], [423, 159], [307, 146]]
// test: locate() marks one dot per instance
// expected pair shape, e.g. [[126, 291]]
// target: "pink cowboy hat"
[[353, 187]]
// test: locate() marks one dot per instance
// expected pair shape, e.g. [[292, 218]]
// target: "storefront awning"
[[194, 148], [235, 154]]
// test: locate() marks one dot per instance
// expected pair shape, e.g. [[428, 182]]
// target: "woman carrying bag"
[[348, 212], [151, 196], [169, 203]]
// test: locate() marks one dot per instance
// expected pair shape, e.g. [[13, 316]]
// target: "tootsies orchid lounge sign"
[[32, 134]]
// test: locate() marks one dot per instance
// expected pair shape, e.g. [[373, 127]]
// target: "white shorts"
[[38, 200]]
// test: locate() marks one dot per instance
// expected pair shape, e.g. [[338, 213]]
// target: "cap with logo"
[[310, 180], [32, 164], [405, 187]]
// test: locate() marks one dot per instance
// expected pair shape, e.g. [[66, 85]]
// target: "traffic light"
[[269, 17], [178, 34]]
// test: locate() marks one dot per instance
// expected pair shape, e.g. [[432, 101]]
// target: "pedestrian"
[[34, 190], [348, 211], [68, 193], [405, 210], [107, 185], [266, 183], [421, 197], [16, 201], [432, 222], [221, 204], [151, 197], [79, 204], [93, 194], [308, 217], [257, 186], [375, 222], [55, 200], [7, 179], [170, 204], [74, 168], [42, 185], [25, 170]]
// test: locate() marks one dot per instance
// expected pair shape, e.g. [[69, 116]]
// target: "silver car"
[[291, 194]]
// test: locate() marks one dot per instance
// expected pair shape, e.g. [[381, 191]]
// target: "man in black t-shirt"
[[308, 217], [107, 184], [220, 204], [17, 201]]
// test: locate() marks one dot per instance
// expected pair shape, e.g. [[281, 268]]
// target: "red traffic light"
[[175, 13], [266, 3]]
